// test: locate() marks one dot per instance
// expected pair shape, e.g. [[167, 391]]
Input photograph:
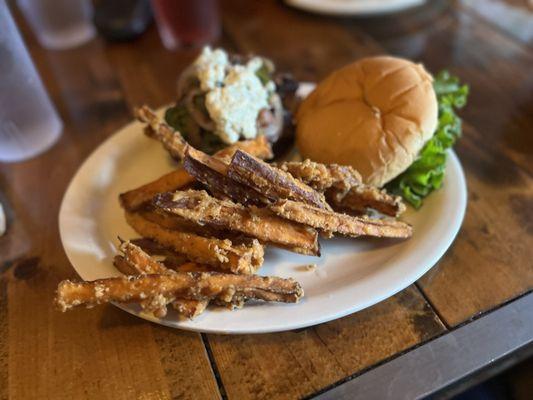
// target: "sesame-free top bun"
[[375, 115]]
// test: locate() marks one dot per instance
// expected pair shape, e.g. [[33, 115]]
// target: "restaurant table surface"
[[106, 353]]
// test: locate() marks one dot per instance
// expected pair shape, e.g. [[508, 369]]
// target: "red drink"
[[187, 22]]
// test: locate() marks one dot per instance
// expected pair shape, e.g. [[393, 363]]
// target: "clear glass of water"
[[29, 123], [59, 24]]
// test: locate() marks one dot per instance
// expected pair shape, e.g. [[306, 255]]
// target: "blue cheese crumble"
[[234, 94], [211, 68]]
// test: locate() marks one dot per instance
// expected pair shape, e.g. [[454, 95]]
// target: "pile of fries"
[[205, 225]]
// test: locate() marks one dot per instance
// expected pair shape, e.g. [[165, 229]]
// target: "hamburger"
[[388, 118]]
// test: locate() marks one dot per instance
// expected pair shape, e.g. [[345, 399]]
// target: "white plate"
[[351, 274], [354, 7]]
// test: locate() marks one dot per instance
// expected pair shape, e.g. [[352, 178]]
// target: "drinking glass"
[[186, 22], [29, 123], [59, 24]]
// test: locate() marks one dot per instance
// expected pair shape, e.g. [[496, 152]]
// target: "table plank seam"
[[483, 313], [214, 366], [365, 370], [401, 353], [387, 359], [433, 307], [420, 364], [324, 343]]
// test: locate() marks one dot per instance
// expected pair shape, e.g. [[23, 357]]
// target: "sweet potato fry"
[[360, 198], [272, 182], [212, 172], [153, 248], [135, 261], [222, 254], [175, 223], [178, 262], [134, 199], [322, 176], [186, 308], [188, 285], [126, 269], [141, 263], [179, 178], [347, 225], [344, 188], [199, 207]]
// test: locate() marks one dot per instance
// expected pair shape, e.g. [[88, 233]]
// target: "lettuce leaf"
[[427, 172], [178, 118]]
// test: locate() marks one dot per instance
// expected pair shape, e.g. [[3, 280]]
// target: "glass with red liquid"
[[187, 23]]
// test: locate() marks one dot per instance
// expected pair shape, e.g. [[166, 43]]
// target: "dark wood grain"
[[496, 150], [105, 353], [293, 365], [100, 354], [490, 261], [513, 17], [306, 45]]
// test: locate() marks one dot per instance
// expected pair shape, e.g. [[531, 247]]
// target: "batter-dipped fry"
[[190, 308], [258, 147], [359, 198], [322, 176], [179, 224], [259, 223], [120, 263], [136, 261], [332, 222], [153, 248], [221, 254], [141, 262], [179, 178], [187, 285], [193, 267], [272, 182], [169, 258], [185, 307], [213, 173], [344, 188], [193, 308], [134, 199]]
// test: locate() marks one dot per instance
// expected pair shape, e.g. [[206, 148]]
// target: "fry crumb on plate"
[[307, 267]]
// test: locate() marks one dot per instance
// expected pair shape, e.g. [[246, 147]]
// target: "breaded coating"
[[260, 223]]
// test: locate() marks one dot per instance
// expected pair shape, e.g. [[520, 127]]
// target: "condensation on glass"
[[29, 123]]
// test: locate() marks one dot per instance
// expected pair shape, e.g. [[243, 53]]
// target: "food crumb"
[[307, 267]]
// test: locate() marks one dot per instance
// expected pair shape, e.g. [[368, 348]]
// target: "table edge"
[[447, 359]]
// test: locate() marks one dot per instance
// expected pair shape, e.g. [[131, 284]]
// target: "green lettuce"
[[427, 172], [178, 118]]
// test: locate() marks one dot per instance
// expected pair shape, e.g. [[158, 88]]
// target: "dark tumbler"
[[187, 23]]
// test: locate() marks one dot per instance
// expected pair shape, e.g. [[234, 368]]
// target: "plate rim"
[[353, 9]]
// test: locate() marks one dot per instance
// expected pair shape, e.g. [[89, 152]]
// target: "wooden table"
[[107, 354]]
